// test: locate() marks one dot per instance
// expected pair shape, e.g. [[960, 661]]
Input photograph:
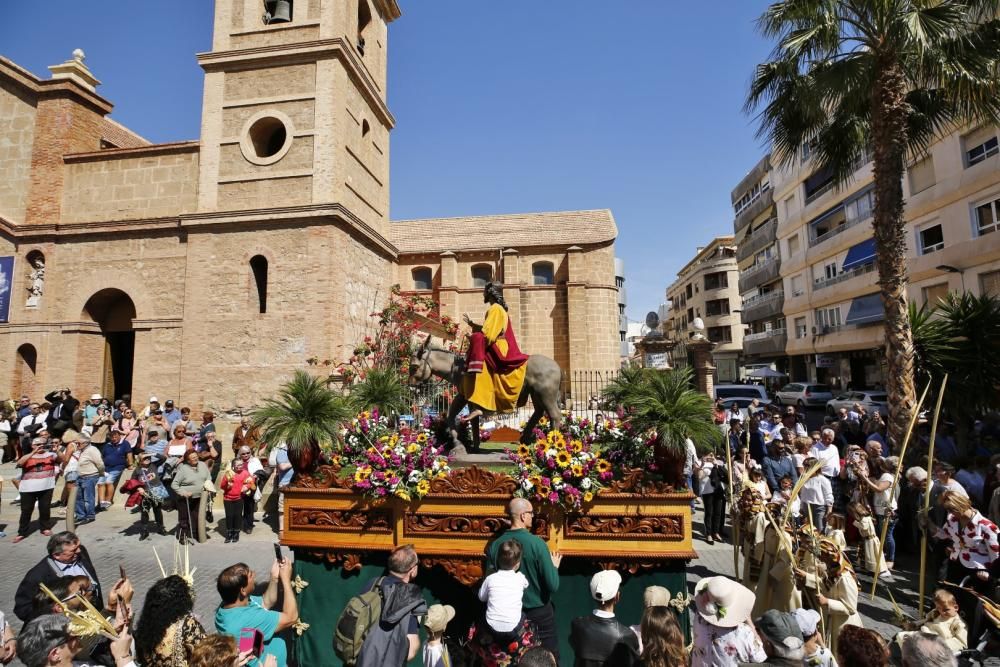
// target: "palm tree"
[[665, 403], [381, 388], [616, 393], [306, 414], [933, 344], [887, 76]]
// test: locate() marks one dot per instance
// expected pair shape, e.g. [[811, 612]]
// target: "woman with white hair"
[[884, 507]]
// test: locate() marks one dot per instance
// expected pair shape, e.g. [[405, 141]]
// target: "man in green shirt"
[[539, 567]]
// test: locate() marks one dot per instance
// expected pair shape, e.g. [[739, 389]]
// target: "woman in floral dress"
[[724, 635]]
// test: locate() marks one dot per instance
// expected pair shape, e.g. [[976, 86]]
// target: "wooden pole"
[[927, 499], [815, 552], [895, 481], [732, 512]]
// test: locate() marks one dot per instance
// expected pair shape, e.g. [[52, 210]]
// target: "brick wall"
[[17, 133]]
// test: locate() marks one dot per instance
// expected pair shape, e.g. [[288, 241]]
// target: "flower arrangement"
[[382, 462], [625, 447], [563, 467]]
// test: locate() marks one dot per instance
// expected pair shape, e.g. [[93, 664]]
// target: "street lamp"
[[947, 268]]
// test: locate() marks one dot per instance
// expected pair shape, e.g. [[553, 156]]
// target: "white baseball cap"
[[604, 585], [154, 399], [808, 620]]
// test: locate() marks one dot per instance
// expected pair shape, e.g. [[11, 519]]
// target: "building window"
[[543, 273], [988, 217], [830, 271], [258, 264], [979, 145], [720, 334], [921, 175], [935, 294], [688, 293], [364, 20], [800, 327], [818, 183], [930, 239], [797, 288], [717, 307], [809, 148], [422, 278], [751, 196], [794, 244], [481, 274], [716, 280], [989, 283], [277, 11], [365, 128], [690, 314], [827, 318]]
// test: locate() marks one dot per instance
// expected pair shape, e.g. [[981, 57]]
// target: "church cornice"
[[217, 220], [302, 52]]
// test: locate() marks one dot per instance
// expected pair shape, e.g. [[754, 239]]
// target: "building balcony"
[[761, 237], [765, 201], [766, 343], [760, 274], [763, 307], [843, 277]]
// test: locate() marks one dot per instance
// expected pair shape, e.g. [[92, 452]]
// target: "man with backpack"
[[379, 626]]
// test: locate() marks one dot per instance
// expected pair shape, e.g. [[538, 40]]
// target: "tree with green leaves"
[[307, 415], [886, 76]]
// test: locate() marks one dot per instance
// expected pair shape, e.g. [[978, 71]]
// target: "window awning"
[[866, 310], [862, 253]]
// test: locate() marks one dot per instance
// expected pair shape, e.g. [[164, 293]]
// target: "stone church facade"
[[209, 270]]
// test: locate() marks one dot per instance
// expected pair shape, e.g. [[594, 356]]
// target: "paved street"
[[113, 540]]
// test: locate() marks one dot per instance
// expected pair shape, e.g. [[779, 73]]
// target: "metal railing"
[[763, 298], [749, 338], [861, 270], [756, 268]]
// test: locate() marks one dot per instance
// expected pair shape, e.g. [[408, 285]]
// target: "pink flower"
[[553, 497]]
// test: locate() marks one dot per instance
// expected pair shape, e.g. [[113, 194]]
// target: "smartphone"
[[277, 553], [251, 639]]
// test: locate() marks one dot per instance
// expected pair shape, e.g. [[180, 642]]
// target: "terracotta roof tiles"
[[120, 136]]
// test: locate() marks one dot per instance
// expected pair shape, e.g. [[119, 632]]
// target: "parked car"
[[748, 391], [871, 399], [803, 395]]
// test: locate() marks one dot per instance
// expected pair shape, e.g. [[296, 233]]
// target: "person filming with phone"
[[248, 618]]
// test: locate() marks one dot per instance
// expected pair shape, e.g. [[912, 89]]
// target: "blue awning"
[[866, 310], [862, 253]]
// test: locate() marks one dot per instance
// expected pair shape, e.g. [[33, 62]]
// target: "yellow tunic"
[[488, 390]]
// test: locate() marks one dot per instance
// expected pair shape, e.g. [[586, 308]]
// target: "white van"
[[751, 391]]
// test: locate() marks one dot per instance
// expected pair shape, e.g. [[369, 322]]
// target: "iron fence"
[[581, 391]]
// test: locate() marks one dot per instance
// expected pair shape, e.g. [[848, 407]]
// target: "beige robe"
[[753, 546], [776, 584], [841, 604], [866, 528], [952, 630]]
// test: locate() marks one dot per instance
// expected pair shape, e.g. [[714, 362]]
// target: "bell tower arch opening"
[[113, 355], [25, 368]]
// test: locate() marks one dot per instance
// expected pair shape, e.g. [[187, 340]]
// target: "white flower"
[[585, 483], [526, 485], [550, 452], [415, 476]]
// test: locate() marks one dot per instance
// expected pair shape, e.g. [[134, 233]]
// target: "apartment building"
[[831, 320], [707, 288], [759, 262]]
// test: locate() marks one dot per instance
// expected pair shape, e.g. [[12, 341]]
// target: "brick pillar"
[[576, 307], [448, 285], [703, 367]]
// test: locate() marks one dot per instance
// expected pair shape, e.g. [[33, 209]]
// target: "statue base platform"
[[341, 540]]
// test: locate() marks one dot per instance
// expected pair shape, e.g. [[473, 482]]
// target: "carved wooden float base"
[[630, 526]]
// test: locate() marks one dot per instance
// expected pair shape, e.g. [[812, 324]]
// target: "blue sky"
[[523, 105]]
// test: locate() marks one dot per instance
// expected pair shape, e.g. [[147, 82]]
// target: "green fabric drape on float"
[[330, 587]]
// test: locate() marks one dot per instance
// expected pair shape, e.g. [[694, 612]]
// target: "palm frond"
[[305, 412], [665, 403], [381, 388]]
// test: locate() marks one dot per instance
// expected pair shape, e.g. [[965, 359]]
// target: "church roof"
[[120, 136], [513, 230]]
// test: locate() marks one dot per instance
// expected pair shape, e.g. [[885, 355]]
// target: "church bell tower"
[[294, 115]]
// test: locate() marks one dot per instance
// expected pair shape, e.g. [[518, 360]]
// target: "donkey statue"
[[542, 383]]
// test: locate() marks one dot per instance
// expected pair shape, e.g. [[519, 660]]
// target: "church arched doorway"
[[113, 311], [25, 369]]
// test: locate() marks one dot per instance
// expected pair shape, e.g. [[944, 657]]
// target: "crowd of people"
[[156, 459]]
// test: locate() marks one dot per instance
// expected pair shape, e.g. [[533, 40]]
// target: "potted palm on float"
[[665, 404], [305, 414]]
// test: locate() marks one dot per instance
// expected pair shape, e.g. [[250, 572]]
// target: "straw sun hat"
[[723, 602]]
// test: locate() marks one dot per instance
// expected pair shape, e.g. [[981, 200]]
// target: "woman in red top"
[[235, 484]]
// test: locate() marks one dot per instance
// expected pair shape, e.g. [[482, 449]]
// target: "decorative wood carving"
[[352, 521], [637, 481], [348, 561], [629, 527], [324, 477], [630, 565], [466, 570], [475, 481], [452, 526]]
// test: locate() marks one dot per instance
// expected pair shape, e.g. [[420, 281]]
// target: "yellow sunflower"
[[588, 496], [422, 438], [423, 487], [413, 448], [523, 451], [544, 491], [535, 480], [402, 493], [442, 474], [603, 465], [576, 446], [577, 470], [563, 458]]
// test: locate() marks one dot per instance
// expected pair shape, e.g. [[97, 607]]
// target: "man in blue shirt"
[[171, 414], [242, 612]]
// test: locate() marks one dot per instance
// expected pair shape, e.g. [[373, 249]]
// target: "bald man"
[[539, 567]]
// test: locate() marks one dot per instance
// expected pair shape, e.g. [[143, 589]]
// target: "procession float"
[[607, 492]]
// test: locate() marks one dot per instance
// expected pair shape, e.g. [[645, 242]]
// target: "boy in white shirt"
[[502, 592]]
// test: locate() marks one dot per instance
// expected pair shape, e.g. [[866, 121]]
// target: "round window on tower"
[[266, 138]]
